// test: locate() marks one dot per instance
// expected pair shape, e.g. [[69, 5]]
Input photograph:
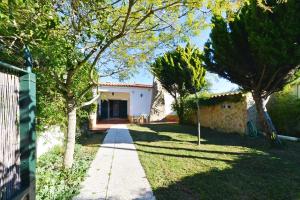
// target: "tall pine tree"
[[258, 50], [181, 73]]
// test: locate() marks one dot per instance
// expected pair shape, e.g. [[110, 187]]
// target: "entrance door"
[[104, 109], [118, 108], [123, 109], [115, 109]]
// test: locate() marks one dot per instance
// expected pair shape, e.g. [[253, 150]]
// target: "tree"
[[181, 73], [259, 50], [119, 33], [23, 23], [113, 36]]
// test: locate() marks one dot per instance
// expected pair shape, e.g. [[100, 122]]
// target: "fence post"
[[27, 133]]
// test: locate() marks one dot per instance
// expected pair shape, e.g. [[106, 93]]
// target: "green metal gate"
[[17, 132]]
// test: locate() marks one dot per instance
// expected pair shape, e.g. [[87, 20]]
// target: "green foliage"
[[284, 108], [180, 72], [190, 106], [259, 50], [56, 183], [63, 34], [206, 99], [23, 22], [53, 58], [51, 106]]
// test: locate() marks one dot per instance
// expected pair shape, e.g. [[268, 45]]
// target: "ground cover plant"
[[224, 166], [55, 182], [285, 113]]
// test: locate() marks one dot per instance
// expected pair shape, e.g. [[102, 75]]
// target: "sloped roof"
[[226, 94], [136, 85], [222, 97]]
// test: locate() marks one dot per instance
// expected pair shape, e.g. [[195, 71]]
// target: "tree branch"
[[89, 102]]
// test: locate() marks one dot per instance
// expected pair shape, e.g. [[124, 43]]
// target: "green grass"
[[225, 166], [56, 183]]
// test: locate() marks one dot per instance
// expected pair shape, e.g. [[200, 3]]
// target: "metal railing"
[[8, 67]]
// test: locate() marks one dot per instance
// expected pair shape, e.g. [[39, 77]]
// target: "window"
[[226, 106]]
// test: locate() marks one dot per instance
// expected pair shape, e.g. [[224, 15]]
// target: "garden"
[[65, 49], [224, 166], [55, 182]]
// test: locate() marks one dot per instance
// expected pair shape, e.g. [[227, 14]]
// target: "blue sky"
[[218, 84]]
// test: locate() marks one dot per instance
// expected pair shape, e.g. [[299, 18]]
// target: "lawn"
[[225, 166], [56, 183]]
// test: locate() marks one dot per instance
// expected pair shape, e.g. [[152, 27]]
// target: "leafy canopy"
[[260, 49], [180, 71]]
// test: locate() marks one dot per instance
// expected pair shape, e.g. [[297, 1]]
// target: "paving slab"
[[116, 172]]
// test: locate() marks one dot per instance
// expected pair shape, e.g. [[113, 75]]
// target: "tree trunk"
[[265, 120], [179, 110], [181, 113], [198, 119], [70, 140]]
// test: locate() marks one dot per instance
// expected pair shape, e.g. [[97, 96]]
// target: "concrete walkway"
[[116, 173]]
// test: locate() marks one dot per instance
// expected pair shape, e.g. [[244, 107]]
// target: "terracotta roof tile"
[[125, 85]]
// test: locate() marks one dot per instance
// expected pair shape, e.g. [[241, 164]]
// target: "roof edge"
[[136, 85]]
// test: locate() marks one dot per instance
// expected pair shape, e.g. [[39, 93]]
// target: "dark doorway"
[[104, 109], [113, 109]]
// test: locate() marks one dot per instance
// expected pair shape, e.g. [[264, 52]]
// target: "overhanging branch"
[[89, 102]]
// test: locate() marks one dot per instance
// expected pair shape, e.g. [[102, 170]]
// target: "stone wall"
[[225, 117]]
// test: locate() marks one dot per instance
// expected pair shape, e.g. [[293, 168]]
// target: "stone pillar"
[[157, 110]]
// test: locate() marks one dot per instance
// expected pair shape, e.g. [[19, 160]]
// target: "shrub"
[[284, 110], [55, 182]]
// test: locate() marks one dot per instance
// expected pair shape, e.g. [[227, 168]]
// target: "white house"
[[131, 101]]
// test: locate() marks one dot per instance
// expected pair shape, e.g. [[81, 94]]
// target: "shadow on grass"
[[255, 177], [91, 140], [264, 174], [151, 136], [190, 149], [170, 154], [208, 136]]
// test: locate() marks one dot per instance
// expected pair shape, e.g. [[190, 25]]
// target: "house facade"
[[133, 102]]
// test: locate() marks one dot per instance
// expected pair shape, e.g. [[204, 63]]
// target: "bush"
[[55, 182], [284, 110], [190, 106], [190, 110]]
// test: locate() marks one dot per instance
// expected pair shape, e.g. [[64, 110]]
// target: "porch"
[[113, 106], [105, 124]]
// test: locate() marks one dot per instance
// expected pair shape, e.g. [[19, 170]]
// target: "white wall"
[[48, 139], [137, 105], [169, 100]]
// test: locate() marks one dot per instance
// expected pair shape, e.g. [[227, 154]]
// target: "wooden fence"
[[17, 133], [10, 136]]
